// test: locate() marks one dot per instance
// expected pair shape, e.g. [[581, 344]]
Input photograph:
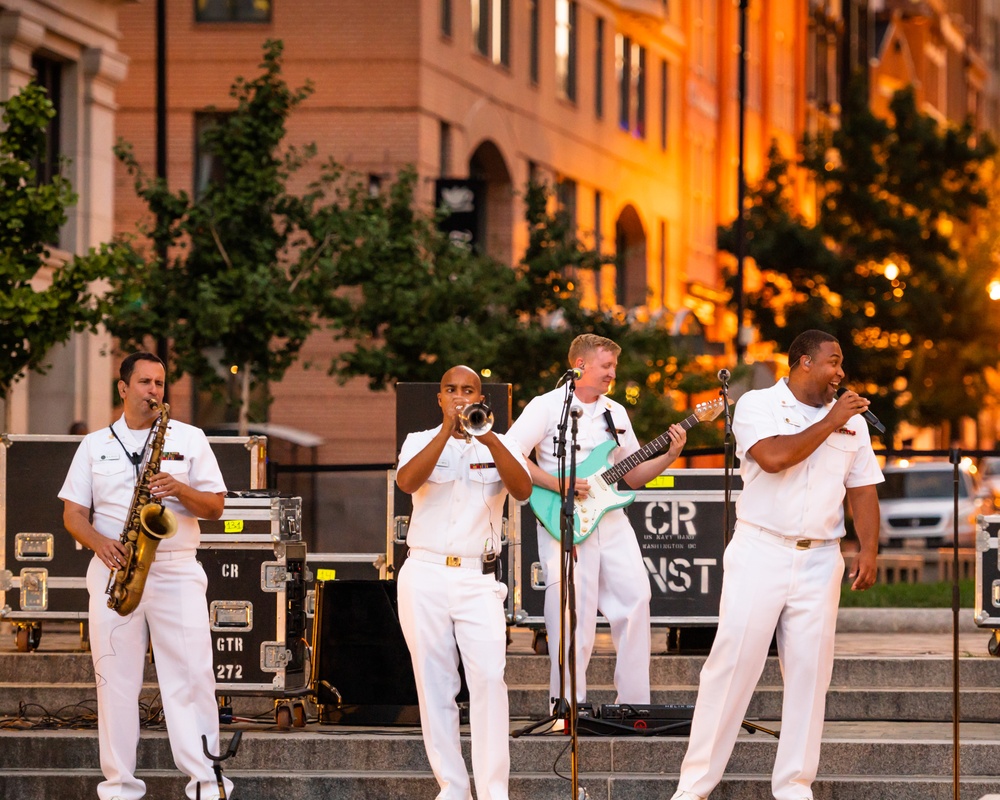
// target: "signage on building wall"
[[463, 200]]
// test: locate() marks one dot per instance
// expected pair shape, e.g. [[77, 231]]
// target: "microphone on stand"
[[724, 375], [573, 374]]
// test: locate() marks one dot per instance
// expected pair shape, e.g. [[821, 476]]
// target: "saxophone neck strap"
[[135, 458]]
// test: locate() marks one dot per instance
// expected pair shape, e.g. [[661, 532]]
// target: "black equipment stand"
[[566, 709], [234, 745], [955, 456], [729, 448]]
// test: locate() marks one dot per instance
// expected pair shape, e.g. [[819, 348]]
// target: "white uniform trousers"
[[609, 576], [173, 613], [444, 610], [768, 585]]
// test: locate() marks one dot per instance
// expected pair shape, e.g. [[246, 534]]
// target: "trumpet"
[[475, 419]]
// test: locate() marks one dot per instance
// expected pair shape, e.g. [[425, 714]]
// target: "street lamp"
[[162, 347], [741, 184]]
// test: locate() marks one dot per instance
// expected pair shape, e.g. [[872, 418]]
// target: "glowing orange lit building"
[[630, 109]]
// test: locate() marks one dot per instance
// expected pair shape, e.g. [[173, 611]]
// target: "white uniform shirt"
[[539, 422], [459, 508], [102, 477], [806, 500]]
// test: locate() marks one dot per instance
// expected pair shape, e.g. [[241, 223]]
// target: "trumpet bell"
[[476, 419]]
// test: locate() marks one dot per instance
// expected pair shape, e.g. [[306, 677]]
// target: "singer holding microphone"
[[609, 573], [802, 448]]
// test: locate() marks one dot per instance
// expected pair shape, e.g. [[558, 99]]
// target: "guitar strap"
[[611, 425]]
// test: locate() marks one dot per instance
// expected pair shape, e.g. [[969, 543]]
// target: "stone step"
[[678, 670], [21, 785], [531, 702], [842, 704], [902, 761], [872, 750]]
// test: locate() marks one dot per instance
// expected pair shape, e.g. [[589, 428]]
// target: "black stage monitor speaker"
[[363, 673], [417, 407]]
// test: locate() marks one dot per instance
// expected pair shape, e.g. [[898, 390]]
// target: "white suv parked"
[[917, 505]]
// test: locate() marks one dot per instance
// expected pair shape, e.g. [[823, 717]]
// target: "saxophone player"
[[100, 487]]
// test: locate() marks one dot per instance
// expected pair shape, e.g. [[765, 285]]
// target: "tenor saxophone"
[[148, 523]]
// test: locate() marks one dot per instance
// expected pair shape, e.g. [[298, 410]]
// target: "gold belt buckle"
[[453, 561], [803, 544]]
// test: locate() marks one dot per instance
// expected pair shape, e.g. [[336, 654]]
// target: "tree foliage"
[[884, 266], [32, 318], [410, 304], [252, 269], [229, 279]]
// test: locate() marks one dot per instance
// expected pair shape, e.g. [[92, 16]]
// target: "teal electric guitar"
[[603, 480]]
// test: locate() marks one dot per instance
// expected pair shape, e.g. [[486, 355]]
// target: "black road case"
[[42, 567]]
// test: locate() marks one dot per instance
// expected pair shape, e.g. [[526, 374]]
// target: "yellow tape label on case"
[[326, 574], [661, 482], [234, 526]]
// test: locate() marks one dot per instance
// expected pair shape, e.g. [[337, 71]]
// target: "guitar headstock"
[[706, 412]]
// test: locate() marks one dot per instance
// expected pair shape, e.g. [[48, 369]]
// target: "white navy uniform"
[[782, 571], [609, 574], [447, 606], [173, 611]]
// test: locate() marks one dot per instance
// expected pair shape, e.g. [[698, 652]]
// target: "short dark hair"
[[807, 343], [128, 365]]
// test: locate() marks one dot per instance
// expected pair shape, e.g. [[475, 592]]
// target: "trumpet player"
[[450, 592], [172, 610]]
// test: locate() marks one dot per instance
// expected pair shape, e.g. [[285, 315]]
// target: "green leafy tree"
[[411, 303], [882, 267], [238, 283], [33, 319], [405, 298]]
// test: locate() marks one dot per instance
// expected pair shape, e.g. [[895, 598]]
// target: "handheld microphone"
[[869, 417], [723, 375], [872, 420]]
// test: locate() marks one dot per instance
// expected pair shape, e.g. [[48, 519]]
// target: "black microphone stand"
[[568, 608], [566, 709], [729, 459]]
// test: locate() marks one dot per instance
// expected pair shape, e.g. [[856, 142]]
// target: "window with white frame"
[[491, 30], [566, 49], [630, 68]]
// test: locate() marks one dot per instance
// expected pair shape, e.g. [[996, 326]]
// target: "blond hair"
[[587, 343]]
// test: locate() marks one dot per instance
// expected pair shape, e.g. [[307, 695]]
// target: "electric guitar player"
[[602, 478]]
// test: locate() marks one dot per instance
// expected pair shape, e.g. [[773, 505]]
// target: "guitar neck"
[[661, 442]]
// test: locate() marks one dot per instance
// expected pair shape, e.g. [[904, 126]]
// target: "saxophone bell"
[[157, 521]]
